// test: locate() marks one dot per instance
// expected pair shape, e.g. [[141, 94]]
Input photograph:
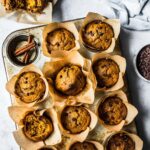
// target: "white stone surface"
[[67, 10]]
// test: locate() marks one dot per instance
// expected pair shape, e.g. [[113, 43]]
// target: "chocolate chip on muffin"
[[30, 87], [106, 72], [112, 110], [60, 39], [75, 119], [83, 146], [37, 128], [97, 35], [70, 80], [120, 141]]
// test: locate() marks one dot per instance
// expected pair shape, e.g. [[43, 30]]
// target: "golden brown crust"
[[112, 110], [37, 128], [83, 146], [60, 39], [70, 80], [97, 35], [75, 119], [30, 87], [106, 72], [120, 141]]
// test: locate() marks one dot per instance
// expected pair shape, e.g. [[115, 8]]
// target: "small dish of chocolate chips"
[[142, 63]]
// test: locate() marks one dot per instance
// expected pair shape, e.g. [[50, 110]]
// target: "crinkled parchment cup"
[[17, 113], [131, 110], [10, 86], [114, 23], [28, 17], [82, 135], [120, 61], [53, 26], [138, 142], [96, 144], [50, 70]]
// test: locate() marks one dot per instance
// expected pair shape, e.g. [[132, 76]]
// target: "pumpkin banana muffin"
[[70, 80], [97, 35], [60, 39], [75, 119], [106, 72], [83, 146], [112, 110], [37, 128], [120, 141], [30, 87]]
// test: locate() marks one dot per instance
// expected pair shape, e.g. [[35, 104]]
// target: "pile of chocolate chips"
[[143, 62]]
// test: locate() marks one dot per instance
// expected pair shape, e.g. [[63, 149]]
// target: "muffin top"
[[120, 141], [97, 35], [112, 110], [106, 72], [30, 87], [60, 39], [83, 146], [37, 128], [70, 80], [75, 119]]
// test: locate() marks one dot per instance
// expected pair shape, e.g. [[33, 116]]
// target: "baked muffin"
[[36, 6], [70, 80], [30, 87], [83, 146], [75, 119], [112, 110], [107, 72], [37, 128], [60, 39], [120, 141], [97, 35]]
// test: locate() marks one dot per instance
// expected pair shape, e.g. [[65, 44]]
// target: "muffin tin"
[[12, 68]]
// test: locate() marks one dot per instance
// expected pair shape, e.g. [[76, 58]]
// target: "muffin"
[[37, 128], [97, 35], [75, 119], [60, 39], [83, 146], [112, 110], [120, 141], [70, 80], [30, 87], [36, 6], [107, 72]]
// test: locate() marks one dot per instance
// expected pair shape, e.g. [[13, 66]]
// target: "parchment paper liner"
[[53, 26], [131, 111], [23, 16], [121, 62], [114, 23], [85, 96], [17, 113], [80, 136], [97, 144], [10, 86], [135, 138]]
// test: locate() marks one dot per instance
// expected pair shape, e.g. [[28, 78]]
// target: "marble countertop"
[[68, 10]]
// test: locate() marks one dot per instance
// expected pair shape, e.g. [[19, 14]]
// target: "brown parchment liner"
[[121, 62], [23, 16], [70, 26], [80, 136], [85, 96], [17, 113], [10, 86], [131, 111], [114, 23], [138, 141], [97, 144]]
